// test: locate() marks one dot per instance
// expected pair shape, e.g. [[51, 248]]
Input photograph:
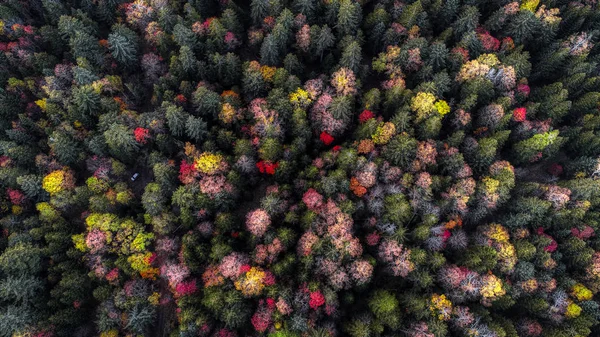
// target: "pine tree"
[[22, 258], [376, 36], [121, 141], [526, 150], [253, 83], [188, 60], [306, 7], [184, 36], [384, 305], [21, 289], [352, 56], [207, 102], [55, 10], [86, 101], [176, 118], [123, 45], [270, 51], [523, 26], [349, 17], [140, 318], [323, 40], [553, 101], [85, 46], [410, 14], [342, 108], [292, 65], [65, 148], [448, 12], [259, 9], [31, 185], [196, 128], [228, 68], [467, 20], [16, 319], [231, 21], [401, 150]]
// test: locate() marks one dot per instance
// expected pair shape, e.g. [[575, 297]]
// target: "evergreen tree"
[[306, 7], [121, 141], [187, 60], [349, 17], [65, 147], [87, 103], [176, 119], [207, 102], [123, 44], [196, 128], [84, 45], [324, 40], [351, 57], [259, 9]]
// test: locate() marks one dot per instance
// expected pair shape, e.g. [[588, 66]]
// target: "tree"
[[121, 141], [522, 26], [84, 45], [31, 185], [324, 40], [228, 68], [352, 56], [21, 289], [196, 128], [67, 150], [438, 53], [306, 7], [140, 318], [187, 59], [401, 150], [385, 306], [207, 102], [185, 37], [411, 14], [527, 150], [16, 319], [349, 17], [123, 45], [253, 83], [22, 258], [153, 199], [176, 118], [86, 101], [259, 9], [467, 21], [270, 51]]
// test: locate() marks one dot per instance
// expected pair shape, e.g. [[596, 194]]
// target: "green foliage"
[[401, 150], [526, 150], [153, 199], [207, 102], [22, 258], [196, 128], [120, 141], [385, 306], [351, 56], [123, 45], [86, 101], [349, 17]]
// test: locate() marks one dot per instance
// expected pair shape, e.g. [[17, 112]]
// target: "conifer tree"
[[121, 141], [123, 44], [349, 17]]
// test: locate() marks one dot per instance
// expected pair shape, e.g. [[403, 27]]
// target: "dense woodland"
[[299, 168]]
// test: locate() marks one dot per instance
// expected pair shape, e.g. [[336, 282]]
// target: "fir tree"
[[123, 45]]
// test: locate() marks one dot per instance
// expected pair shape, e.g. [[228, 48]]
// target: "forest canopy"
[[299, 168]]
